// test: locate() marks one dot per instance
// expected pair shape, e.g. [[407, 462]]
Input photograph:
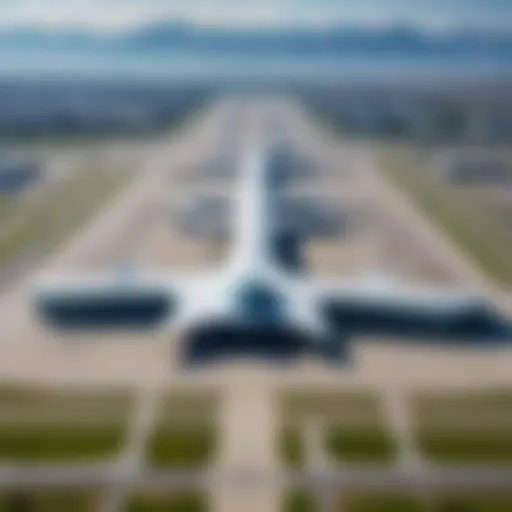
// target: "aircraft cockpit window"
[[259, 303]]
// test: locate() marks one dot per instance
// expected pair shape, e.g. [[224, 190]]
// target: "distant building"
[[17, 175], [472, 168], [499, 127]]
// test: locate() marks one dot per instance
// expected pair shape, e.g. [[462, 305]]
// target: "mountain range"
[[338, 40]]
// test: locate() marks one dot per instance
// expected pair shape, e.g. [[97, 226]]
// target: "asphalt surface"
[[133, 229]]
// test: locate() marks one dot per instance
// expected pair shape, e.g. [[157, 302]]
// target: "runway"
[[137, 228]]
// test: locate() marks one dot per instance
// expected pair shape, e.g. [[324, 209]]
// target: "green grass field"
[[52, 425], [49, 220], [372, 502], [189, 405], [185, 434], [185, 502], [29, 405], [474, 503], [401, 502], [291, 446], [328, 404], [57, 442], [467, 445], [465, 427], [7, 205], [358, 444], [353, 425], [55, 501], [486, 401], [298, 502], [481, 239], [379, 503], [182, 445]]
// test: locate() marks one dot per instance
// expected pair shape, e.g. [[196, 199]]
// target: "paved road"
[[381, 478], [248, 426]]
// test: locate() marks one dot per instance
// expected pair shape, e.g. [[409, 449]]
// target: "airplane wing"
[[107, 300], [396, 311]]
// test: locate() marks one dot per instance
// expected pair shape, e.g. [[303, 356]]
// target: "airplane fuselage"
[[253, 291]]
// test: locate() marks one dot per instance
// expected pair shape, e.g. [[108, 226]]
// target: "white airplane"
[[254, 301]]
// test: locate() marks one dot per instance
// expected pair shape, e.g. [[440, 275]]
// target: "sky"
[[119, 15]]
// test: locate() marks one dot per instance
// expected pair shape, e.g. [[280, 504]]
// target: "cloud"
[[122, 14], [117, 14], [75, 13]]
